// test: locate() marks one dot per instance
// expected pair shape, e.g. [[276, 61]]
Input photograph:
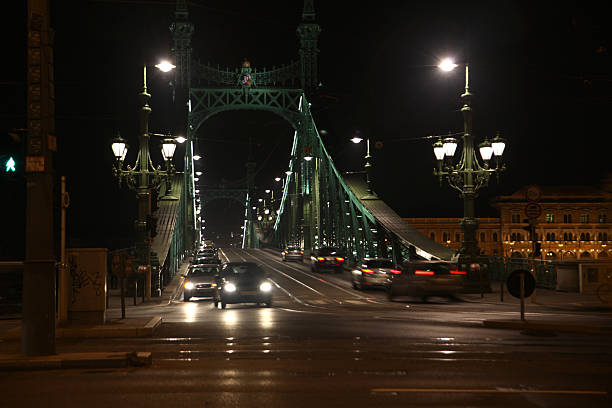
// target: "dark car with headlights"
[[200, 281], [242, 282], [427, 278], [327, 258]]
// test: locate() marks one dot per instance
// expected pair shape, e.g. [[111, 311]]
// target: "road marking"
[[333, 285], [490, 390]]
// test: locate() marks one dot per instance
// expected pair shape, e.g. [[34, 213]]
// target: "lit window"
[[603, 218], [584, 218], [550, 218]]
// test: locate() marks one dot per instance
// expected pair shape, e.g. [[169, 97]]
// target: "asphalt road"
[[326, 344]]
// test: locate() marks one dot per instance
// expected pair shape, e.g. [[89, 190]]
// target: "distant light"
[[165, 66], [267, 191], [198, 173], [288, 172], [180, 139], [323, 132], [277, 179], [196, 179], [308, 158], [197, 156], [356, 139], [447, 64]]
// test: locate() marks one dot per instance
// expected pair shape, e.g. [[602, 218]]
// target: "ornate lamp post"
[[143, 177], [468, 175]]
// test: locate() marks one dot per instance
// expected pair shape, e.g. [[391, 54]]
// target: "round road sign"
[[513, 283], [533, 210]]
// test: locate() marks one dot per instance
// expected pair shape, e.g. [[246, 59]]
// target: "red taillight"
[[395, 271], [458, 272], [301, 252], [320, 258], [423, 272], [340, 259], [367, 271]]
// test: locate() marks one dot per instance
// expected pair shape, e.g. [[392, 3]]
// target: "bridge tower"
[[206, 90]]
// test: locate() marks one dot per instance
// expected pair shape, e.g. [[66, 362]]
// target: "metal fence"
[[500, 267]]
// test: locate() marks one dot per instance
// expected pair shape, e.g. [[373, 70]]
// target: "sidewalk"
[[10, 336], [577, 313]]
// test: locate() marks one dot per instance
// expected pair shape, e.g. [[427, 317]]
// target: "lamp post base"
[[168, 198], [477, 268]]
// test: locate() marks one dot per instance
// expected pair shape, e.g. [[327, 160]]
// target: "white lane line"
[[294, 298], [333, 285], [238, 254], [295, 280], [489, 390]]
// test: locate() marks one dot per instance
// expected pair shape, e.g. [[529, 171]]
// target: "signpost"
[[122, 267], [521, 284]]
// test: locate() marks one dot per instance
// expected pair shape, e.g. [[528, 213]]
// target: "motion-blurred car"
[[200, 281], [292, 254], [373, 273], [327, 258], [427, 278], [242, 282]]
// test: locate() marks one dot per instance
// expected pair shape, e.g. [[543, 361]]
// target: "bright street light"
[[447, 64], [165, 66]]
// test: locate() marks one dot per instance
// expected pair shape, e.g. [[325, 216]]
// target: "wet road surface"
[[323, 343]]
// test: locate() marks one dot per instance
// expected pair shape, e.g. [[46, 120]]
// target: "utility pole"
[[38, 325]]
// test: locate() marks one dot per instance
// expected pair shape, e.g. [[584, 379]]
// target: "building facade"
[[573, 224]]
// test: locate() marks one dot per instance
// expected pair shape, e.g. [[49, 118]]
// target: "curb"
[[96, 331], [75, 360], [547, 326]]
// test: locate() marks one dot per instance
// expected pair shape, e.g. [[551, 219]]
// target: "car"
[[292, 254], [200, 281], [206, 252], [242, 282], [427, 278], [204, 260], [327, 258], [373, 273]]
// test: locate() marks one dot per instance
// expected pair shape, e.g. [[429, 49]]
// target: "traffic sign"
[[533, 210], [533, 193], [513, 283]]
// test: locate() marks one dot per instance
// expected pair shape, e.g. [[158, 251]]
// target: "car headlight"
[[265, 287], [229, 287], [189, 285]]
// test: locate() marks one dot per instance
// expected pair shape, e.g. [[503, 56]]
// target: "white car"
[[373, 272]]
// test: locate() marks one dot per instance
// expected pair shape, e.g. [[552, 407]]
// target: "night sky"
[[540, 74]]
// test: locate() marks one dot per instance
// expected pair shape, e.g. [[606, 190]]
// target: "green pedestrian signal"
[[10, 165]]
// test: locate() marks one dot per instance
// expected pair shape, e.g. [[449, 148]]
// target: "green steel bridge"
[[319, 206]]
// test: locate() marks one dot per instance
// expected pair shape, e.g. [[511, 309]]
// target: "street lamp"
[[142, 177], [368, 163], [468, 175]]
